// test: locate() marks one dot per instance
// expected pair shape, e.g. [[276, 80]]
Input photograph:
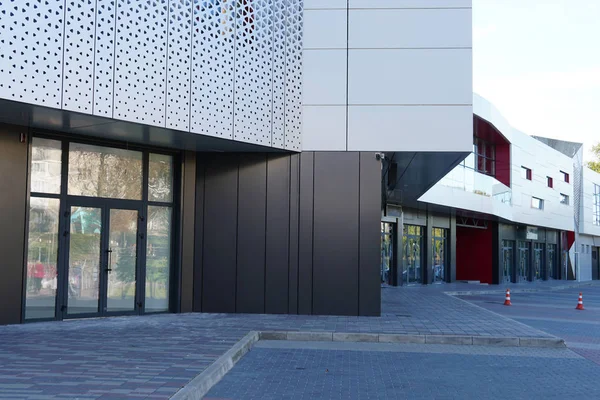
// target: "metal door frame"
[[105, 205]]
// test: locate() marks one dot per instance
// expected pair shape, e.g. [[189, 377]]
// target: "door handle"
[[109, 264]]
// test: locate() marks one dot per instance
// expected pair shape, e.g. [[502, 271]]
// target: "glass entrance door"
[[538, 261], [551, 264], [102, 261], [507, 260], [523, 262]]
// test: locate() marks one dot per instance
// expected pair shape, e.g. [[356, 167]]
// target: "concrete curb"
[[465, 340], [201, 384], [518, 290]]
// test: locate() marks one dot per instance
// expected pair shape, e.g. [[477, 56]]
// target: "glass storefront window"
[[42, 250], [411, 254], [158, 258], [438, 242], [160, 178], [45, 166], [104, 172]]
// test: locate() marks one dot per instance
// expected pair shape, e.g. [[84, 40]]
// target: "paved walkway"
[[554, 312], [154, 356], [296, 370]]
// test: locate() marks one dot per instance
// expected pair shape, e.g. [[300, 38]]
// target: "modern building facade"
[[517, 209], [217, 156]]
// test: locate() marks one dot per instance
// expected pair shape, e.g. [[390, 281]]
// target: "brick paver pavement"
[[554, 312], [296, 370], [153, 356]]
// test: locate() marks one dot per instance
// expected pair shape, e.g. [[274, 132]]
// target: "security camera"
[[379, 156]]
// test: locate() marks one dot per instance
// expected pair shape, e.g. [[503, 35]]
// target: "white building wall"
[[543, 161], [525, 151], [587, 226], [387, 75], [226, 69]]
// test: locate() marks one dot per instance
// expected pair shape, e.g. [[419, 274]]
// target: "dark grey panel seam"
[[237, 232], [166, 81], [312, 252], [298, 239], [203, 234], [266, 233], [359, 227], [94, 55], [289, 229]]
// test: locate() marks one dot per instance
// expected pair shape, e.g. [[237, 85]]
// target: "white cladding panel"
[[420, 128], [253, 72], [140, 65], [31, 60], [410, 28], [78, 72], [408, 73], [179, 63], [325, 29], [104, 58], [410, 77], [325, 79], [190, 65], [325, 125]]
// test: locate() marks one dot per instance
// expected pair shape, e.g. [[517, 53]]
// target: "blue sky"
[[538, 62]]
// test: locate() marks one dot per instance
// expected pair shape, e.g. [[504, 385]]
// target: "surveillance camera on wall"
[[379, 156]]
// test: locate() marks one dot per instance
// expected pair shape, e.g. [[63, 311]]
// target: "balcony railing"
[[466, 178]]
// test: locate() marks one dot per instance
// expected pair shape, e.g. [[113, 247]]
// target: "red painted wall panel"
[[474, 254]]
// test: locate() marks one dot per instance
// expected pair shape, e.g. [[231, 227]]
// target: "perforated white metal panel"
[[212, 67], [253, 69], [179, 62], [225, 68], [104, 58], [279, 30], [293, 73], [31, 51], [141, 61], [79, 55]]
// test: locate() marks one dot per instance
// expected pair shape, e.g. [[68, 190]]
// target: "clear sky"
[[538, 62]]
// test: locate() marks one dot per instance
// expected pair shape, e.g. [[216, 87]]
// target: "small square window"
[[526, 173], [565, 176], [587, 247], [564, 199], [537, 203], [550, 182], [583, 248]]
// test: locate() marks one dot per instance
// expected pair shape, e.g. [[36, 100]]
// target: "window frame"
[[175, 205], [482, 157], [596, 205], [550, 182], [541, 203], [528, 173], [564, 199], [566, 177]]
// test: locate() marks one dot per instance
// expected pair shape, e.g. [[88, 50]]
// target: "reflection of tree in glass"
[[97, 171], [158, 251], [160, 177]]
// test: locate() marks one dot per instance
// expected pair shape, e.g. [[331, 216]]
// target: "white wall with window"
[[590, 204]]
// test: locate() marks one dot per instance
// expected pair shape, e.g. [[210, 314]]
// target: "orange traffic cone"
[[507, 298], [580, 302]]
